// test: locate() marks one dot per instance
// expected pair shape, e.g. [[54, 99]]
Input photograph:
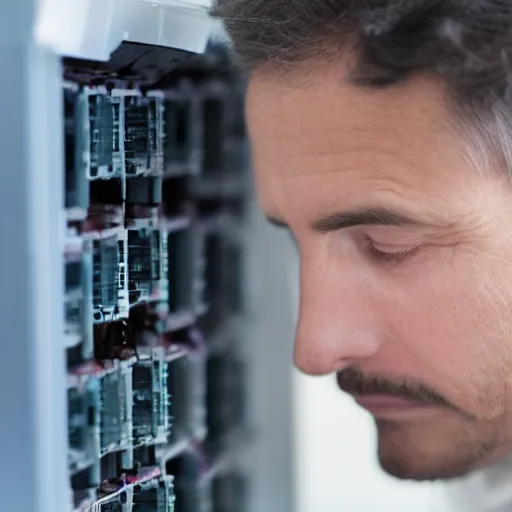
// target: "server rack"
[[157, 414], [116, 252]]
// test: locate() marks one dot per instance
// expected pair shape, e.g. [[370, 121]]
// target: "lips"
[[388, 405]]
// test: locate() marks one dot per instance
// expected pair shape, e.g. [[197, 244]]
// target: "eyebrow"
[[368, 217]]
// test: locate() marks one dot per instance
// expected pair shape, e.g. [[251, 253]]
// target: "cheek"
[[453, 321]]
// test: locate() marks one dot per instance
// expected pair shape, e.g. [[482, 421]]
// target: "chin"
[[406, 468], [416, 453]]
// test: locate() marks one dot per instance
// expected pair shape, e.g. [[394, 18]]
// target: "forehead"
[[321, 141]]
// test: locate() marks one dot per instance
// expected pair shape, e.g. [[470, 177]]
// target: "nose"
[[339, 323]]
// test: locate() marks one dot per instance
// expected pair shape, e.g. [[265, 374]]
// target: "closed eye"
[[396, 256]]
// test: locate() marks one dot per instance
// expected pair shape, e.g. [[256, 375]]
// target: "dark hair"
[[467, 43]]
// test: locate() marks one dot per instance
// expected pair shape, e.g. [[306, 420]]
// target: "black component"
[[82, 480], [144, 190], [106, 192], [74, 356], [145, 454], [70, 145], [91, 416], [179, 131], [213, 137], [181, 270], [112, 341], [109, 469], [176, 194], [73, 275], [214, 63], [143, 64], [146, 60], [119, 339]]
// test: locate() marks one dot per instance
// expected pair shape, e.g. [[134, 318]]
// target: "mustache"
[[353, 381]]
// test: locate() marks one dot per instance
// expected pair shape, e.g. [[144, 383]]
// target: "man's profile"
[[382, 138]]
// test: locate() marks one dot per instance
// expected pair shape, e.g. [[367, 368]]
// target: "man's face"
[[406, 262]]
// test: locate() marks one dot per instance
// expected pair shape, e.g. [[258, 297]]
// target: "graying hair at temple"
[[468, 45]]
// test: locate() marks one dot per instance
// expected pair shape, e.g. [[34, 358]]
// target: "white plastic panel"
[[92, 29], [33, 474]]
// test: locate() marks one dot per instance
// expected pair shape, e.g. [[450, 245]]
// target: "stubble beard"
[[437, 450]]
